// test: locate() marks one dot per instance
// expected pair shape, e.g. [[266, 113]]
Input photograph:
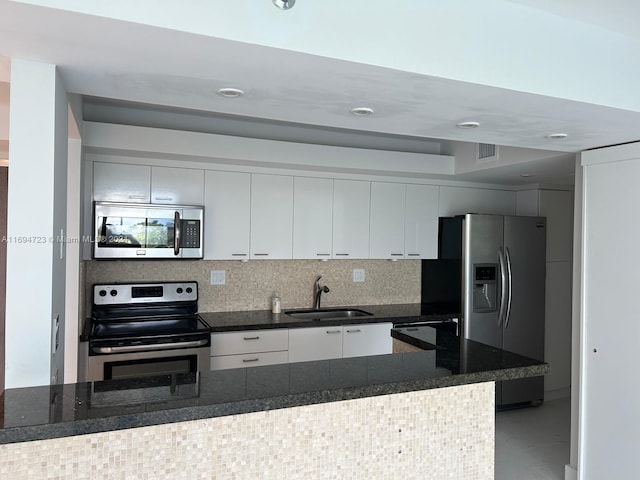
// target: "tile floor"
[[533, 443]]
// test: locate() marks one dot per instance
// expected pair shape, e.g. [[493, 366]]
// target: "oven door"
[[146, 364], [147, 231]]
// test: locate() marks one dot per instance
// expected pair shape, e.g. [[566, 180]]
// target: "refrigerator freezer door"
[[482, 240], [525, 240]]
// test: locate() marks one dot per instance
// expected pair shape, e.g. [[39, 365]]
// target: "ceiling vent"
[[486, 152]]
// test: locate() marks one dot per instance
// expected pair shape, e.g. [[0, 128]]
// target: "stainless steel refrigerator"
[[503, 266]]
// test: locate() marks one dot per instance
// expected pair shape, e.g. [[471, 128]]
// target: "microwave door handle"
[[177, 234], [103, 229]]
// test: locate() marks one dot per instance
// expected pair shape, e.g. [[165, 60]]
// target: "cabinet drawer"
[[248, 360], [249, 341]]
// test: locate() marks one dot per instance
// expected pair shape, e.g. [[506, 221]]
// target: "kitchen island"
[[386, 416]]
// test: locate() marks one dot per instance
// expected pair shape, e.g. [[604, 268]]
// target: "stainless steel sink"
[[327, 313]]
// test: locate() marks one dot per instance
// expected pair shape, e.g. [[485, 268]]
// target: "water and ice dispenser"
[[485, 287]]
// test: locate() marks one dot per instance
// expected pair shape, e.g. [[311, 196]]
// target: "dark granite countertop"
[[264, 319], [64, 410]]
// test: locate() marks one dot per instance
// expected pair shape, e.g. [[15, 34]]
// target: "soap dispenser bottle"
[[276, 306]]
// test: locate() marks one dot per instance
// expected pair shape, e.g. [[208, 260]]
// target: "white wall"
[[571, 470], [609, 387], [458, 39], [37, 212], [173, 144]]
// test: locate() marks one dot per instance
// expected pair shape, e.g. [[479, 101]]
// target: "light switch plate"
[[218, 277], [358, 275]]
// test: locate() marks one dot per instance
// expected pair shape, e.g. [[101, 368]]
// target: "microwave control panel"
[[190, 234]]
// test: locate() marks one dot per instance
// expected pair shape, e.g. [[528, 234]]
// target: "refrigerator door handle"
[[510, 282], [503, 286]]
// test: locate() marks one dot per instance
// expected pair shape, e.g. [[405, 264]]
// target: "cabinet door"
[[461, 200], [386, 234], [227, 215], [367, 339], [312, 217], [316, 343], [271, 216], [421, 222], [177, 186], [119, 182], [351, 200]]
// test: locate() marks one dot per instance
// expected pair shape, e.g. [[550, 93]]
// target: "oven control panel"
[[130, 293]]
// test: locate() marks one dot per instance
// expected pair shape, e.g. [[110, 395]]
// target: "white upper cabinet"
[[351, 199], [177, 186], [312, 217], [271, 216], [386, 237], [227, 215], [120, 182], [421, 222], [461, 200]]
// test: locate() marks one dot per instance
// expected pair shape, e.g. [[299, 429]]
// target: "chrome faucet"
[[317, 292]]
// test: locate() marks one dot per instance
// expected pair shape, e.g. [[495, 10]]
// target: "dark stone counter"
[[64, 410], [264, 319]]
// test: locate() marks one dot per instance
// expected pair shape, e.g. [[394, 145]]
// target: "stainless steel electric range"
[[146, 329]]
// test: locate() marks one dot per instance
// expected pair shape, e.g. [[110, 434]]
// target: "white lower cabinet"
[[315, 343], [268, 347], [248, 348], [324, 343], [367, 339]]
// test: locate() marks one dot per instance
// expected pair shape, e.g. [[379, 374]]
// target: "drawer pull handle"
[[164, 198], [251, 338], [137, 197], [323, 254], [261, 254], [396, 254], [333, 331], [354, 331], [342, 254], [238, 254], [413, 254], [248, 360]]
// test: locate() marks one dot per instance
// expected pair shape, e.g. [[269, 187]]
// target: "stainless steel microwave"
[[144, 231]]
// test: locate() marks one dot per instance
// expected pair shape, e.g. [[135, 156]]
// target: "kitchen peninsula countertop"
[[46, 412]]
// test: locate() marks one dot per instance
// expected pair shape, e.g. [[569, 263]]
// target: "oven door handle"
[[146, 348], [176, 233]]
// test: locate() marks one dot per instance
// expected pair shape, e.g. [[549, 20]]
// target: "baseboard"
[[557, 394], [570, 473]]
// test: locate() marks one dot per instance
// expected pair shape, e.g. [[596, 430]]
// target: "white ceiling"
[[154, 73]]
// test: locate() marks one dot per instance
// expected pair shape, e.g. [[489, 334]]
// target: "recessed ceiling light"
[[230, 92], [362, 111], [284, 4], [556, 136], [468, 125]]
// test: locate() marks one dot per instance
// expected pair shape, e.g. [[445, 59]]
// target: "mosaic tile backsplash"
[[445, 433], [251, 285]]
